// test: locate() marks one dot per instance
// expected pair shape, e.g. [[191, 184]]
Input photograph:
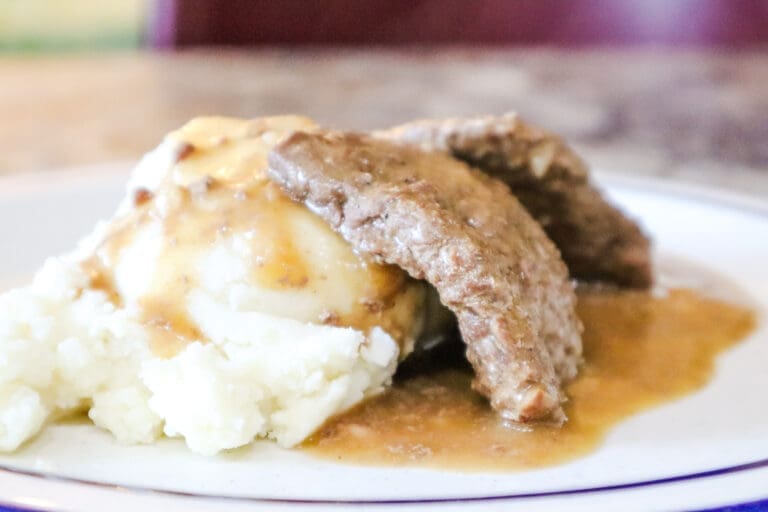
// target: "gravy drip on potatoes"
[[640, 351], [216, 190]]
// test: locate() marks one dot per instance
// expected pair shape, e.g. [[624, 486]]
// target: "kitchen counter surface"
[[687, 115]]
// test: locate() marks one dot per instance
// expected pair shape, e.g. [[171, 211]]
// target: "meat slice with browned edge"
[[597, 241], [467, 235]]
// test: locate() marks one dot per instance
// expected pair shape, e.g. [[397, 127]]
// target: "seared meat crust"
[[597, 241], [462, 231]]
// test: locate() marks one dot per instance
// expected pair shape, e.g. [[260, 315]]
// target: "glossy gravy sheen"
[[217, 194], [640, 351]]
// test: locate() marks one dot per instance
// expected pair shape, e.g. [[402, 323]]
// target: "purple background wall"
[[556, 22]]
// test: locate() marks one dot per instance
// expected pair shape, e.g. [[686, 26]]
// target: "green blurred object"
[[71, 25]]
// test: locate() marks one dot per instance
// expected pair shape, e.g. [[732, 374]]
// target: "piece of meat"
[[463, 232], [597, 242]]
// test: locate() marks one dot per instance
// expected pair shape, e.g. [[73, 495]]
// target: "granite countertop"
[[688, 115]]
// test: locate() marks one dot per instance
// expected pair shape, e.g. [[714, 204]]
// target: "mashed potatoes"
[[210, 307]]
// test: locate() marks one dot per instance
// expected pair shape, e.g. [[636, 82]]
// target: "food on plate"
[[210, 307], [597, 241], [262, 277], [463, 232]]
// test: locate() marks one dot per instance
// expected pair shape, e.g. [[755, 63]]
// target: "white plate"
[[705, 450]]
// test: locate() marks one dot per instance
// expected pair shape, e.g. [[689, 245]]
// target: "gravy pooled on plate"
[[640, 351]]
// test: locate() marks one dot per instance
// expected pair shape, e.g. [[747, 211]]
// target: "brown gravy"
[[217, 189], [640, 351]]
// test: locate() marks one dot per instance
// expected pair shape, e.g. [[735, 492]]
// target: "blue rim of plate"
[[679, 190], [728, 470]]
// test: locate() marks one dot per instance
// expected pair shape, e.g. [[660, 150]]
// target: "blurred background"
[[55, 25], [666, 87]]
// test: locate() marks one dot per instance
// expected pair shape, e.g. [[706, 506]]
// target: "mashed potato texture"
[[159, 337], [260, 376]]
